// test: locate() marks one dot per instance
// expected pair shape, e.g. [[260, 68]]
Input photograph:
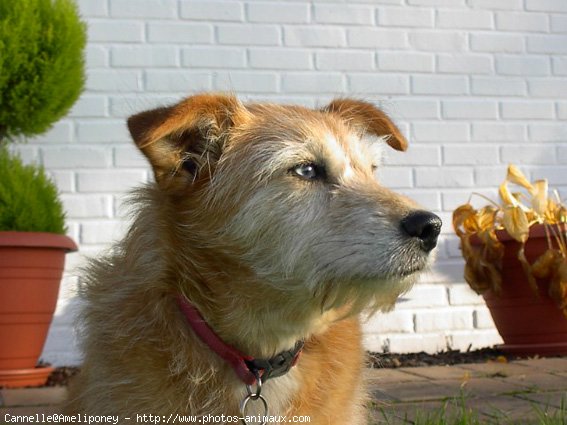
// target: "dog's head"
[[293, 193]]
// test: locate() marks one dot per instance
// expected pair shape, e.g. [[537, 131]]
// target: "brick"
[[546, 6], [559, 23], [416, 155], [114, 80], [377, 38], [424, 296], [406, 17], [438, 41], [470, 155], [466, 340], [344, 61], [109, 181], [270, 58], [498, 86], [555, 175], [562, 110], [559, 65], [394, 322], [249, 35], [465, 64], [144, 56], [464, 19], [416, 108], [460, 295], [522, 65], [442, 3], [396, 177], [440, 132], [545, 87], [379, 83], [469, 109], [496, 5], [180, 32], [482, 317], [554, 44], [408, 62], [90, 9], [115, 30], [154, 9], [548, 132], [439, 320], [212, 10], [129, 156], [102, 131], [181, 81], [295, 13], [87, 206], [314, 36], [489, 176], [529, 155], [439, 84], [75, 157], [499, 132], [521, 21], [527, 110], [497, 43], [96, 57], [213, 57], [431, 343], [347, 14], [61, 132], [313, 83], [122, 106], [252, 82], [444, 177], [90, 106], [101, 232], [64, 180]]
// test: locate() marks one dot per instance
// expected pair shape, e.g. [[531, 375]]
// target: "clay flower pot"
[[31, 266], [529, 323]]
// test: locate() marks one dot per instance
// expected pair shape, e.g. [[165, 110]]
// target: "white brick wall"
[[474, 84]]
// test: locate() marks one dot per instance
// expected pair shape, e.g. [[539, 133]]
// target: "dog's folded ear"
[[367, 118], [184, 141]]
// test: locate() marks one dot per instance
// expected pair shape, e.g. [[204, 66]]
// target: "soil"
[[444, 358], [62, 375]]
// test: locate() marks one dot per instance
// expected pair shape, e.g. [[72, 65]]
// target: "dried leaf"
[[558, 287], [547, 263], [516, 223], [515, 176], [465, 213], [540, 198], [527, 269]]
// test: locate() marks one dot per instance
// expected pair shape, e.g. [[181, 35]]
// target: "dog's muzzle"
[[424, 226]]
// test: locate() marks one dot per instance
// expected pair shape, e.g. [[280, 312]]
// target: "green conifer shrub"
[[41, 64], [29, 200]]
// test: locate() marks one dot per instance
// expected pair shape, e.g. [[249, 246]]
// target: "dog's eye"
[[307, 171]]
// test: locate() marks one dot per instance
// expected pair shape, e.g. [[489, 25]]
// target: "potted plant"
[[41, 76], [516, 257]]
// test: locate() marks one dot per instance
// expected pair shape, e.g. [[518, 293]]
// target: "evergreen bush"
[[29, 200], [41, 64]]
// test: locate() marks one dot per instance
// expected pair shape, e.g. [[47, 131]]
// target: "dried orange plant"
[[516, 213]]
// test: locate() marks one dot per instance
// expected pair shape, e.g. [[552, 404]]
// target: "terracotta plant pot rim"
[[536, 231], [37, 240]]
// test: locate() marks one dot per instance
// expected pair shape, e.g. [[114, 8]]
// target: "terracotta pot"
[[529, 323], [31, 266]]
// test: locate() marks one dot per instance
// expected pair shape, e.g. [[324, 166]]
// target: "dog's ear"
[[368, 119], [186, 140]]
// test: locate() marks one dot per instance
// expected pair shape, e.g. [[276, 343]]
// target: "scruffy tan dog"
[[237, 290]]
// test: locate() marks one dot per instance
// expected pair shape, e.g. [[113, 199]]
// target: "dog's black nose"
[[423, 225]]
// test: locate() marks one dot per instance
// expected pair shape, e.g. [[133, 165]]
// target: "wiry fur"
[[267, 257]]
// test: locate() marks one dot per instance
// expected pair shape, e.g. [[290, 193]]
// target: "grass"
[[455, 412]]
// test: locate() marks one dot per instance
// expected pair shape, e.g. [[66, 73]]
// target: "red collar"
[[246, 367]]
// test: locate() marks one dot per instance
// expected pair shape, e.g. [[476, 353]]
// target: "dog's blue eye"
[[307, 171]]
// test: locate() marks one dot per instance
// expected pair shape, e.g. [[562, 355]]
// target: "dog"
[[237, 292]]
